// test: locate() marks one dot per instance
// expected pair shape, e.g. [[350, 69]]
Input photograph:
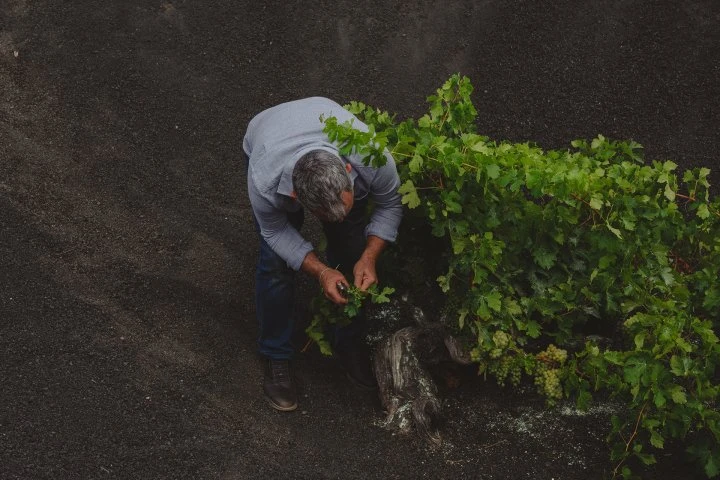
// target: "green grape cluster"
[[547, 372], [506, 368], [501, 339], [548, 382], [552, 355]]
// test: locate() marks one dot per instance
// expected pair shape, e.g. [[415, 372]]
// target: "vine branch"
[[630, 440]]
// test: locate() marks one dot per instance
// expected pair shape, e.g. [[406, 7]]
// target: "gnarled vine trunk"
[[406, 388]]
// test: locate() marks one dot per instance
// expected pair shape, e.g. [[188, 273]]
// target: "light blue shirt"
[[275, 140]]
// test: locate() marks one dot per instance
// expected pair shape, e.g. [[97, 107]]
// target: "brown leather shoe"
[[279, 386]]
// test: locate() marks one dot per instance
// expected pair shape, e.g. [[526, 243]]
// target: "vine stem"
[[630, 440], [394, 153], [407, 155], [578, 197], [307, 345], [592, 210], [447, 112], [690, 198]]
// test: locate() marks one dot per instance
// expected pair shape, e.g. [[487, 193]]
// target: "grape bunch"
[[547, 372], [552, 356], [501, 339], [506, 368], [548, 382]]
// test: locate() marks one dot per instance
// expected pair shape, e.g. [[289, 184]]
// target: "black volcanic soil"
[[127, 246]]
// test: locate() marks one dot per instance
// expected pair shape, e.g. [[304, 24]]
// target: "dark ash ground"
[[127, 246]]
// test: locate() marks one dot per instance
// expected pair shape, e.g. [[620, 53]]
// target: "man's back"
[[291, 126]]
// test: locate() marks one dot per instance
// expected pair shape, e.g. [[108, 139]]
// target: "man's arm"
[[387, 213], [277, 231], [383, 224]]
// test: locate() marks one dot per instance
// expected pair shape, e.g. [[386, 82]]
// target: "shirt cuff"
[[385, 232]]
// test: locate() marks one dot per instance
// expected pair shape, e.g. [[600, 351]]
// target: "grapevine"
[[590, 270]]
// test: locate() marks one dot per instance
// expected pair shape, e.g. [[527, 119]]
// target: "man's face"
[[348, 200]]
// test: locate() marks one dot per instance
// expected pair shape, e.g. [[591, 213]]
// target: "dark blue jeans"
[[275, 284]]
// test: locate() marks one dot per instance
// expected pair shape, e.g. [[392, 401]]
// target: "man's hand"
[[364, 269], [329, 279], [364, 273]]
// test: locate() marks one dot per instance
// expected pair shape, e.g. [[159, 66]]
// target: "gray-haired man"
[[292, 167]]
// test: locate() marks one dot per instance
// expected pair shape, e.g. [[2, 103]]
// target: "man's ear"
[[348, 167]]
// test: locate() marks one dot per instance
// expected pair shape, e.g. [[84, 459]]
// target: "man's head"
[[323, 185]]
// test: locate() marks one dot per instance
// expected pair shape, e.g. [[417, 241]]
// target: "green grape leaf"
[[596, 203], [494, 301], [703, 211], [533, 329], [452, 203], [383, 296], [351, 310], [512, 307], [544, 258], [493, 171], [615, 231], [657, 440], [677, 393], [416, 163], [711, 467], [634, 370], [669, 193], [409, 194], [444, 282]]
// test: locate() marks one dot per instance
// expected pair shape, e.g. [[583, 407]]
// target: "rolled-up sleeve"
[[277, 231], [387, 214]]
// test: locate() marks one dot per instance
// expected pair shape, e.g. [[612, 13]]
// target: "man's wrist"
[[323, 272], [374, 247]]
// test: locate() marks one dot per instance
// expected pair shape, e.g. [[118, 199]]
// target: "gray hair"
[[319, 177]]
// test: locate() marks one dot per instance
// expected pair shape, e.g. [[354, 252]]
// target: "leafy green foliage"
[[327, 313], [588, 269]]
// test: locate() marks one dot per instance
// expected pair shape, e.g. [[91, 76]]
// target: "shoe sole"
[[281, 408]]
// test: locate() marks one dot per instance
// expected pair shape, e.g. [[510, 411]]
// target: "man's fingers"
[[339, 299], [364, 281], [335, 297], [330, 287], [367, 282]]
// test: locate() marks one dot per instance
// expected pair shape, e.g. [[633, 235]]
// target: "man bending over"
[[292, 168]]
